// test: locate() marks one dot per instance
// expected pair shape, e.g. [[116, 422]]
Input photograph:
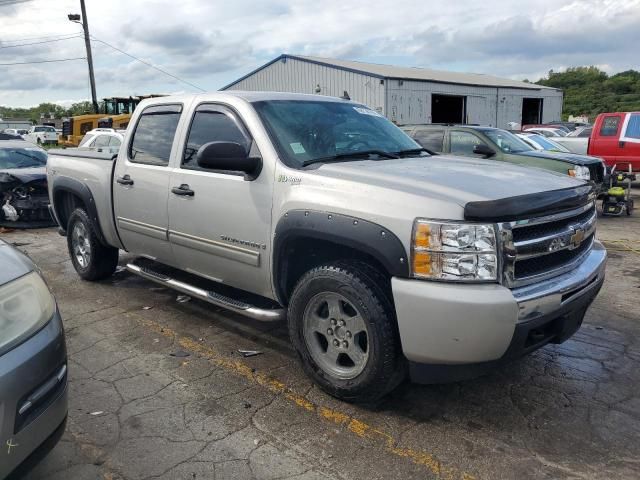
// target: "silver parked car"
[[33, 365]]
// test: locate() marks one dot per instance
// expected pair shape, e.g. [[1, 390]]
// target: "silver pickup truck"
[[386, 260]]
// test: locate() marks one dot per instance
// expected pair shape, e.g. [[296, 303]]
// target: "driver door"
[[220, 221]]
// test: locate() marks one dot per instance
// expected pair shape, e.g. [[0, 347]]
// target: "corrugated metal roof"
[[424, 74]]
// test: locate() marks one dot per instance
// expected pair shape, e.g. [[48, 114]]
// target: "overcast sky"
[[210, 43]]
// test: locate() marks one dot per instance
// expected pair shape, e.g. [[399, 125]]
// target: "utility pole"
[[87, 42]]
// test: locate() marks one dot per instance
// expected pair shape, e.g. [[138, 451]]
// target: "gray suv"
[[33, 365]]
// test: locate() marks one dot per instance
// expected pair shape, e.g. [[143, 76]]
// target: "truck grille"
[[544, 247]]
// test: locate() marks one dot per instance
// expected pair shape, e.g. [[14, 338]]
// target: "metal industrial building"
[[410, 95]]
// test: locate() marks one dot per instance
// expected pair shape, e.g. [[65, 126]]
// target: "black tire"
[[38, 141], [102, 261], [369, 291]]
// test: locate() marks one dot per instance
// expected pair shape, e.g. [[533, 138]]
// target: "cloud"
[[212, 42]]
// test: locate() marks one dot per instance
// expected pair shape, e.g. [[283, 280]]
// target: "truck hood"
[[24, 175], [455, 179], [572, 158]]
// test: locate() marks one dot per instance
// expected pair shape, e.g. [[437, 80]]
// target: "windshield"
[[548, 144], [304, 131], [22, 157], [507, 141]]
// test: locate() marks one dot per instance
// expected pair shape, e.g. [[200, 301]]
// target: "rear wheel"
[[342, 324], [91, 259]]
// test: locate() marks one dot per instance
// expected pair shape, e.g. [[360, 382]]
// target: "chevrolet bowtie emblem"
[[577, 238]]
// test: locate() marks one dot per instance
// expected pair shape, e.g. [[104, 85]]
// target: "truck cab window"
[[153, 136], [462, 143], [429, 138], [610, 126], [210, 125], [101, 141], [633, 126]]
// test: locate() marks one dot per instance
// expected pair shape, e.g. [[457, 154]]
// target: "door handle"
[[621, 144], [125, 180], [183, 190]]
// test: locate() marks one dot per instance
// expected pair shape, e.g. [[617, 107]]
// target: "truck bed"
[[95, 171]]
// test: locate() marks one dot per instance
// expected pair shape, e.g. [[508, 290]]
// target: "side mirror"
[[228, 157], [483, 149]]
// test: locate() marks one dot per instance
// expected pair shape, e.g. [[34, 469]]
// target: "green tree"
[[590, 91]]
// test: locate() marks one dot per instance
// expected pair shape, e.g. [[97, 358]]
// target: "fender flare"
[[362, 235], [81, 190]]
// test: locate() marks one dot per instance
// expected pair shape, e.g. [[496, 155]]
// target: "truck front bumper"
[[454, 331]]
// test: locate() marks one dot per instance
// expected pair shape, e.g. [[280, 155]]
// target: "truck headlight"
[[26, 304], [454, 251], [580, 172]]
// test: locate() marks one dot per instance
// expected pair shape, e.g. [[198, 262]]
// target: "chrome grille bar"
[[543, 247]]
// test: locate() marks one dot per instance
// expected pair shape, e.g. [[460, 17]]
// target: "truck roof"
[[481, 128], [248, 96]]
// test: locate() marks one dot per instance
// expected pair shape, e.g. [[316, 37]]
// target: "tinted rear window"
[[154, 134], [609, 126]]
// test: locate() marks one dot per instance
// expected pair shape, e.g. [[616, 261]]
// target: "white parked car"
[[18, 132], [102, 140], [42, 135], [540, 142], [547, 131]]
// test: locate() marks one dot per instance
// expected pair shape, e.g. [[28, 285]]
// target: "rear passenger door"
[[141, 183]]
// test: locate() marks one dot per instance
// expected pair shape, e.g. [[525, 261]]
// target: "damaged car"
[[24, 200]]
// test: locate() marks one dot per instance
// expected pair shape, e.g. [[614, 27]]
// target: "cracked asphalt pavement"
[[158, 391]]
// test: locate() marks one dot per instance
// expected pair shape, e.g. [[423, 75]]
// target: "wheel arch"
[[312, 237], [69, 194]]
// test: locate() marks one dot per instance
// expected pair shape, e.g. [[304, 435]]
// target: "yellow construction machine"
[[116, 113]]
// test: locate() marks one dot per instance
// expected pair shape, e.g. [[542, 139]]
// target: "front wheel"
[[342, 324], [91, 259]]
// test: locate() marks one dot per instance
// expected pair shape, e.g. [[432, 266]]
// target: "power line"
[[148, 64], [12, 2], [40, 37], [38, 43], [45, 61]]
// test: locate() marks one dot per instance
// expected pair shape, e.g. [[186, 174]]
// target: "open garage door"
[[531, 111], [448, 108]]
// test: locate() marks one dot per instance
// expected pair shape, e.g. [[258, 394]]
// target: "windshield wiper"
[[350, 155], [411, 151]]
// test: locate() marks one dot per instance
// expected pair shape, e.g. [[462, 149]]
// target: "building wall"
[[409, 102], [303, 77], [402, 101], [510, 104]]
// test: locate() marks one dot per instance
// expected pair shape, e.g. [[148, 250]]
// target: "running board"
[[237, 306]]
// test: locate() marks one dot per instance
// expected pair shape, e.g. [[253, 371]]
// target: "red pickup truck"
[[616, 139]]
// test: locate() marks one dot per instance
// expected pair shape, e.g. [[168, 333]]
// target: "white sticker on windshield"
[[297, 148], [366, 111]]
